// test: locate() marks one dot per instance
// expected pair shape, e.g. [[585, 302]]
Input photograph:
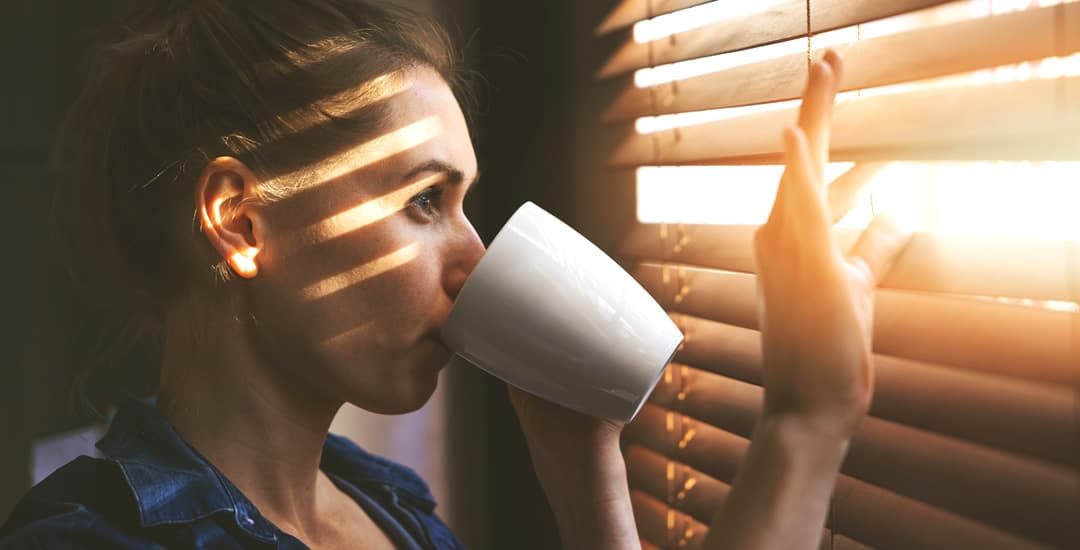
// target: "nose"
[[466, 253]]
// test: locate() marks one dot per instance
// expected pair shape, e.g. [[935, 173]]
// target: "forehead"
[[421, 122], [424, 123]]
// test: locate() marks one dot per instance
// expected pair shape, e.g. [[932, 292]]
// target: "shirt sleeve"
[[76, 529]]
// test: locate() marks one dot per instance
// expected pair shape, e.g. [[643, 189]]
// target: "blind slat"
[[1034, 499], [648, 471], [778, 21], [629, 12], [646, 466], [1025, 342], [865, 512], [1026, 418], [1025, 120], [930, 263], [652, 519], [911, 55]]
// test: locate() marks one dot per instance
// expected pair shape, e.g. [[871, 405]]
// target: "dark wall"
[[523, 52], [40, 53], [540, 140]]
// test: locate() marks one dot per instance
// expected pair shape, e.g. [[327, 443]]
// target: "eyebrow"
[[453, 175]]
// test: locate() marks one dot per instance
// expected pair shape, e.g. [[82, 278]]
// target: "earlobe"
[[223, 186]]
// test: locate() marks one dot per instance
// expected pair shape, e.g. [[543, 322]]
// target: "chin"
[[404, 397]]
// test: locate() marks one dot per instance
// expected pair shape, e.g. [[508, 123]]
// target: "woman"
[[281, 189]]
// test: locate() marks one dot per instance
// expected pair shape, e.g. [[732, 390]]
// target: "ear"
[[220, 196]]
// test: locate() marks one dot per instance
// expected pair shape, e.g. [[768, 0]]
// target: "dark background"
[[538, 139]]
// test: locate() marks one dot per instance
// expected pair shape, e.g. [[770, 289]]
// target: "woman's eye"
[[428, 200]]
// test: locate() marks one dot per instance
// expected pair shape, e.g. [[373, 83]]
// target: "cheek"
[[403, 299], [387, 311]]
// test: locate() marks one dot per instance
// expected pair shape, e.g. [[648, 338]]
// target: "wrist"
[[836, 420], [582, 479], [780, 497], [812, 445], [590, 500]]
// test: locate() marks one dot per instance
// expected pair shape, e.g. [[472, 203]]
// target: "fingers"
[[836, 62], [799, 204], [815, 113], [844, 192], [879, 245], [800, 215]]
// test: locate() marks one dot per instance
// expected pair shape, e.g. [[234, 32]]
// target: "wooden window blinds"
[[973, 439]]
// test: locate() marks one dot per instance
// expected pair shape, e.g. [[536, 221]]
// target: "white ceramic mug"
[[547, 311]]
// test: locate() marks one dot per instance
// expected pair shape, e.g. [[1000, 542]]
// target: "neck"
[[249, 418]]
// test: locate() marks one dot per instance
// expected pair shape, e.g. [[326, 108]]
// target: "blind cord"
[[1072, 270], [809, 43], [654, 111]]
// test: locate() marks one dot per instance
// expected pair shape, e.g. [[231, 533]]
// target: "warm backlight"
[[992, 199], [666, 25]]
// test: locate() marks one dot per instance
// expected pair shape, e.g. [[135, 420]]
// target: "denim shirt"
[[152, 490]]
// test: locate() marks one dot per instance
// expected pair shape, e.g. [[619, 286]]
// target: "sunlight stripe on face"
[[373, 210], [348, 102], [369, 152], [361, 273], [338, 341]]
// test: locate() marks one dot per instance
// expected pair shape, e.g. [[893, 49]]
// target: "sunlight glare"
[[1035, 200], [944, 14], [712, 194]]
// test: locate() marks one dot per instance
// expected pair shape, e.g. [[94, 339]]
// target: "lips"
[[437, 326], [439, 352]]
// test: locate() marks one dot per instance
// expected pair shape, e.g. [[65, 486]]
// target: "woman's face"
[[358, 270]]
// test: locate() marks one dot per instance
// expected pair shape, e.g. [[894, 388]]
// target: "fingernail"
[[863, 269], [824, 67]]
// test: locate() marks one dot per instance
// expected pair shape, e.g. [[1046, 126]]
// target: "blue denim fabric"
[[154, 491]]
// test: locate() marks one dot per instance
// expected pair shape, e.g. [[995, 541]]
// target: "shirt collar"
[[345, 459], [172, 483]]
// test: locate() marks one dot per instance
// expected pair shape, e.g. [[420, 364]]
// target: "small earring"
[[244, 265]]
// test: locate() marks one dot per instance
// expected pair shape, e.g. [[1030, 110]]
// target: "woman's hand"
[[817, 303], [581, 469], [816, 324]]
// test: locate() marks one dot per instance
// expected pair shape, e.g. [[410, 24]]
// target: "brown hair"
[[179, 83]]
